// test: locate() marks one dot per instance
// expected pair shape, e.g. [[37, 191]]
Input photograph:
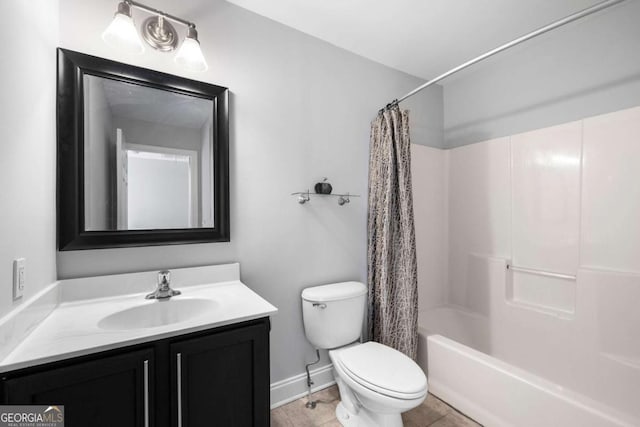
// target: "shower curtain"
[[392, 265]]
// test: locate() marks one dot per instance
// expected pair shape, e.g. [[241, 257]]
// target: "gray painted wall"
[[28, 148], [587, 68], [426, 118], [300, 110]]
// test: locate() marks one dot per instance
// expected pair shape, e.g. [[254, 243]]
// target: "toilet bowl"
[[376, 382]]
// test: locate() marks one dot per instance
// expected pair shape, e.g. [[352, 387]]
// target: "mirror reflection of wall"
[[148, 158]]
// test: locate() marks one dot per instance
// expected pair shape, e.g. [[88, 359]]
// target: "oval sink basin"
[[157, 313]]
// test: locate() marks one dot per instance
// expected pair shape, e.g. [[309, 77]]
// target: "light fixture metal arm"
[[160, 13]]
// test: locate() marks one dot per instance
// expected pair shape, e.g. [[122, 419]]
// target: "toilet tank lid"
[[334, 291]]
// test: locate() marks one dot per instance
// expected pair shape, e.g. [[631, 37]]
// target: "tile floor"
[[433, 413]]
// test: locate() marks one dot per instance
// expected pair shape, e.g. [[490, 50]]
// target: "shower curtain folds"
[[391, 252]]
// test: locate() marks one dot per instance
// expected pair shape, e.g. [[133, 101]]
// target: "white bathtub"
[[491, 391]]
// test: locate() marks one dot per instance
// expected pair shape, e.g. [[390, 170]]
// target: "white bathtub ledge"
[[496, 393]]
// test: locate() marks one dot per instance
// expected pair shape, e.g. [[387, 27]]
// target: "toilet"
[[376, 382]]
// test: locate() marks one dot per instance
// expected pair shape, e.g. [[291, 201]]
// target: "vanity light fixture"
[[190, 55], [157, 32], [121, 33]]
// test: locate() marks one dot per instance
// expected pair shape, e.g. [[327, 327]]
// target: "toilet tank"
[[333, 314]]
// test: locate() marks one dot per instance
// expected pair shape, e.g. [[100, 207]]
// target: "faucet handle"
[[164, 277], [163, 292]]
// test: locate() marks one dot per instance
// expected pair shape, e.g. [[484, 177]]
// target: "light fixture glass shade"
[[122, 34], [190, 55]]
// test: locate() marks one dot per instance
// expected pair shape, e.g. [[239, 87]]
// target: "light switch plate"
[[19, 277]]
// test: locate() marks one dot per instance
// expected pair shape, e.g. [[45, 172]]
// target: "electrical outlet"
[[19, 277]]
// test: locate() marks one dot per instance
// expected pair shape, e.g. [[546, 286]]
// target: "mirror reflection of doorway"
[[157, 187]]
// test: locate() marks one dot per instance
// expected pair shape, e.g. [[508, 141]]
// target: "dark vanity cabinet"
[[218, 377], [232, 361], [103, 392]]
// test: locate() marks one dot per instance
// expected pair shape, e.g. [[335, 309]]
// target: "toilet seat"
[[383, 370]]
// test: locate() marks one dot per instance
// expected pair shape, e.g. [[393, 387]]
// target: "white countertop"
[[72, 327]]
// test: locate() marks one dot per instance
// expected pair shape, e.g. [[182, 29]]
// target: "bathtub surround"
[[569, 346], [561, 199], [391, 251], [543, 138]]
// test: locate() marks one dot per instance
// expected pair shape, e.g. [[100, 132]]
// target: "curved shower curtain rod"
[[573, 17]]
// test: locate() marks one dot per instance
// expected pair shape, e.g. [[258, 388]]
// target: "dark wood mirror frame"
[[72, 235]]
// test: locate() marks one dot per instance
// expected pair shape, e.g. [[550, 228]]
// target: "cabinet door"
[[110, 391], [222, 379]]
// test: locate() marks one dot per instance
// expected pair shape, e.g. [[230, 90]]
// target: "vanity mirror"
[[142, 156]]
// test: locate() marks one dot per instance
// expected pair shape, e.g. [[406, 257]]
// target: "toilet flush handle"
[[319, 305]]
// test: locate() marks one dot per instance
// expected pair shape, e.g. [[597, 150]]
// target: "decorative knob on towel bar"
[[303, 197]]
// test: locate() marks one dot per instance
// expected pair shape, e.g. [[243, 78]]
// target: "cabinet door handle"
[[179, 386], [146, 393]]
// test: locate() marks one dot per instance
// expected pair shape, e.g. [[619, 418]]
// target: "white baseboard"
[[293, 388]]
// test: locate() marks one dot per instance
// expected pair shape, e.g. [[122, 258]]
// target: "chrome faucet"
[[163, 291]]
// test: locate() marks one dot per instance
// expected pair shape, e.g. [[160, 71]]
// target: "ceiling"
[[142, 103], [421, 37]]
